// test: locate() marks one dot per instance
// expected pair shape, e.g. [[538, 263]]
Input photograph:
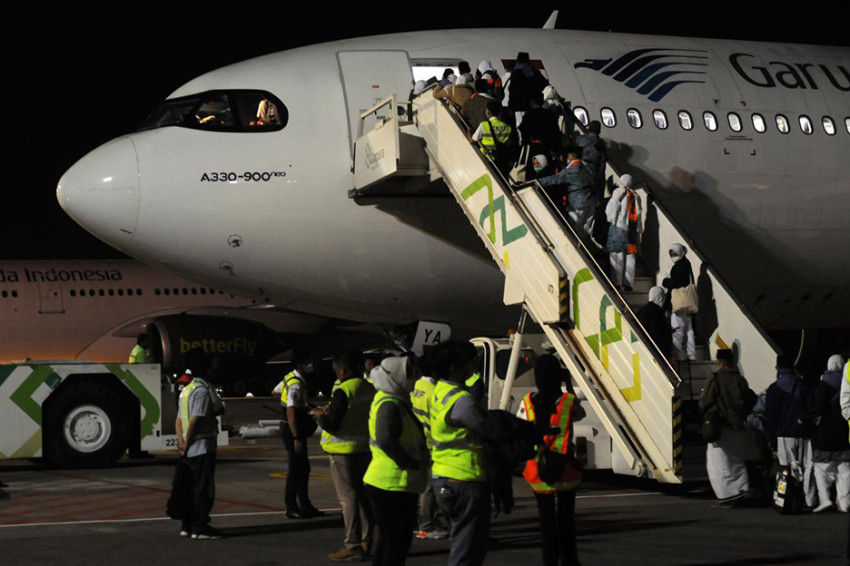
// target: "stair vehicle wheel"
[[86, 427]]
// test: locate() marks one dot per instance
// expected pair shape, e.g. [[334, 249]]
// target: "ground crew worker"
[[197, 430], [397, 473], [139, 354], [494, 136], [296, 428], [553, 411], [345, 437], [431, 520], [459, 426]]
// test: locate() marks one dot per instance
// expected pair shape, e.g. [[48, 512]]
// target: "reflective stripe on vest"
[[558, 443], [383, 472], [420, 398], [353, 434], [203, 422], [502, 131], [456, 454], [290, 379]]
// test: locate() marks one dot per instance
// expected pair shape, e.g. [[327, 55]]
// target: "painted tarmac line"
[[635, 494], [151, 519], [82, 503], [38, 499]]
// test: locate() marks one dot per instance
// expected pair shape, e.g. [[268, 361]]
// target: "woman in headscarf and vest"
[[554, 474], [398, 471]]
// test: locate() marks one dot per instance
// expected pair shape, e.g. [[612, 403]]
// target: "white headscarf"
[[549, 93], [419, 87], [541, 159], [626, 181], [484, 66], [393, 376], [835, 363], [679, 251], [656, 295]]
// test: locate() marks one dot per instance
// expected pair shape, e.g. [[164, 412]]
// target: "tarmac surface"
[[116, 516]]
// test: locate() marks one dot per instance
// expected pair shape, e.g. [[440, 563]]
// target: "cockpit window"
[[214, 112], [223, 111]]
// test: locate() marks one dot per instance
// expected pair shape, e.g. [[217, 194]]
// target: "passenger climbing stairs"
[[551, 270]]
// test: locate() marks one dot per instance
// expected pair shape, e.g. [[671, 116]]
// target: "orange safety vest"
[[558, 443]]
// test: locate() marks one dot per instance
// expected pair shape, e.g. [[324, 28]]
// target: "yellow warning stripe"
[[563, 296]]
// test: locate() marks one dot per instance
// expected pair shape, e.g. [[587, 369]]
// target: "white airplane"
[[241, 178]]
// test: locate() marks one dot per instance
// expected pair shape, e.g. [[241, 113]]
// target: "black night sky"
[[76, 78]]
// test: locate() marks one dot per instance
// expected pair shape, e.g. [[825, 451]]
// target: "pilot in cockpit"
[[266, 113]]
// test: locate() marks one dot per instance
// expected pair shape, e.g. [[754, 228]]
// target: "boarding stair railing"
[[630, 386], [548, 268], [724, 320]]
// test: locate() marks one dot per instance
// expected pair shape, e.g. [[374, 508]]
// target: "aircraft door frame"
[[368, 76], [50, 298]]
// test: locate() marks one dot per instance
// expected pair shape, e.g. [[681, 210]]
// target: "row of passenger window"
[[710, 121], [104, 292], [138, 292], [7, 294], [187, 291]]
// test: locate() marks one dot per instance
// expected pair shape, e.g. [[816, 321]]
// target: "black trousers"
[[296, 492], [395, 514], [193, 491], [467, 506], [558, 527]]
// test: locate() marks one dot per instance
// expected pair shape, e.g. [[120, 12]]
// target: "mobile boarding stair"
[[633, 390]]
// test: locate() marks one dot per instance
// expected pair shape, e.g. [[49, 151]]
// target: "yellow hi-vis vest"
[[353, 434], [456, 453], [383, 472], [420, 398], [290, 379], [138, 355], [559, 443], [206, 427], [492, 127]]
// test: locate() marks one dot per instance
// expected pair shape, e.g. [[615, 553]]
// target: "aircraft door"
[[50, 298], [370, 76]]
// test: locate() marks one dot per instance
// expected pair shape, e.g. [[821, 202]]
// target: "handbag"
[[711, 423], [685, 299], [519, 169], [788, 496]]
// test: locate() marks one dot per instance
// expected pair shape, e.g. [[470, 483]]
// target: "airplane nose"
[[101, 192]]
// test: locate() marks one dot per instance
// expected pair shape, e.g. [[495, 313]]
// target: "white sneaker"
[[840, 508], [822, 507]]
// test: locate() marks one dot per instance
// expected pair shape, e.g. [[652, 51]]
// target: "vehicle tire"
[[86, 426]]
